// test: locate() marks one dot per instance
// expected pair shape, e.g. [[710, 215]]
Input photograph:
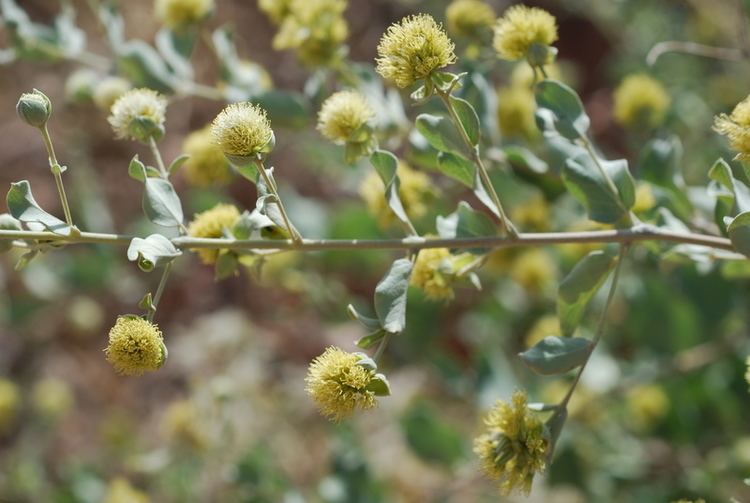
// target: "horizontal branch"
[[631, 235]]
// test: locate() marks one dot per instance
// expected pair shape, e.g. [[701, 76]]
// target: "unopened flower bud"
[[34, 108]]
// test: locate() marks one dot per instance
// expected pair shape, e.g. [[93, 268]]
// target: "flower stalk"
[[57, 172]]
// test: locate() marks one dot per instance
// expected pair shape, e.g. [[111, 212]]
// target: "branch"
[[707, 51], [634, 234]]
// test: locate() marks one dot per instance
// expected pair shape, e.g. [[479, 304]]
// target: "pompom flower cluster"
[[413, 49], [211, 224], [139, 114], [344, 115], [242, 131], [736, 127], [181, 13], [640, 101], [468, 18], [135, 346], [525, 33], [514, 447]]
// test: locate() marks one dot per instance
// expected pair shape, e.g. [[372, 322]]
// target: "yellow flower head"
[[277, 10], [206, 164], [736, 127], [533, 270], [107, 91], [533, 213], [120, 491], [343, 114], [646, 405], [341, 382], [182, 425], [640, 101], [135, 346], [178, 13], [413, 49], [416, 192], [211, 224], [242, 131], [432, 272], [522, 30], [138, 114], [10, 404], [468, 18], [514, 447], [51, 398], [515, 112], [316, 29]]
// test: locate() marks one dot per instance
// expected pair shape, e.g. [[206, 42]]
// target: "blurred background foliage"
[[662, 410]]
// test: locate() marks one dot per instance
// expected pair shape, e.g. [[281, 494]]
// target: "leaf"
[[521, 156], [25, 209], [440, 133], [732, 195], [579, 286], [739, 233], [484, 197], [386, 165], [369, 323], [457, 167], [554, 426], [226, 265], [379, 385], [154, 251], [370, 340], [468, 118], [177, 163], [285, 109], [250, 224], [8, 223], [390, 296], [465, 222], [171, 46], [587, 185], [143, 66], [556, 355], [161, 204], [136, 169], [659, 161], [568, 116]]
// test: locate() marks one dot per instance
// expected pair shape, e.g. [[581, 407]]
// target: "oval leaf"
[[739, 233], [24, 208], [457, 167], [161, 204], [390, 296], [579, 286], [556, 355], [152, 252], [440, 133], [568, 116], [468, 118]]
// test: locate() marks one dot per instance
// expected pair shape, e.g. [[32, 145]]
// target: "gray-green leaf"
[[154, 251], [579, 286], [457, 167], [441, 133], [390, 296], [569, 117], [556, 355], [161, 204], [386, 165], [468, 118], [23, 207]]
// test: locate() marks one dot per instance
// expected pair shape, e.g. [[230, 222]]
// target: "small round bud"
[[34, 108], [211, 224], [242, 131], [514, 447], [413, 49], [107, 91], [181, 13], [139, 114], [135, 346], [525, 32], [341, 382], [344, 116]]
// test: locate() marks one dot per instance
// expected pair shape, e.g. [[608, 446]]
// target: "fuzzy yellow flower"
[[514, 447], [179, 13], [206, 164], [315, 29], [468, 18], [135, 346], [343, 115], [736, 127], [242, 131], [416, 192], [139, 114], [211, 224], [525, 32], [640, 101], [277, 10], [107, 90], [182, 425], [429, 273], [413, 49], [533, 213], [646, 405], [120, 491], [51, 398], [533, 270], [515, 112], [341, 382], [10, 404]]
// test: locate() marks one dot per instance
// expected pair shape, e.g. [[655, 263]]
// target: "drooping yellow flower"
[[206, 164], [413, 49], [429, 275], [315, 29], [135, 346], [514, 447], [736, 127], [640, 101], [179, 13], [211, 224], [108, 89], [51, 398], [515, 112], [120, 491], [139, 114], [242, 131], [343, 114], [338, 383], [524, 31], [416, 192], [10, 404], [182, 425], [468, 18], [277, 10], [645, 406]]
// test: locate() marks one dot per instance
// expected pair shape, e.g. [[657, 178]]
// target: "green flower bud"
[[34, 108]]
